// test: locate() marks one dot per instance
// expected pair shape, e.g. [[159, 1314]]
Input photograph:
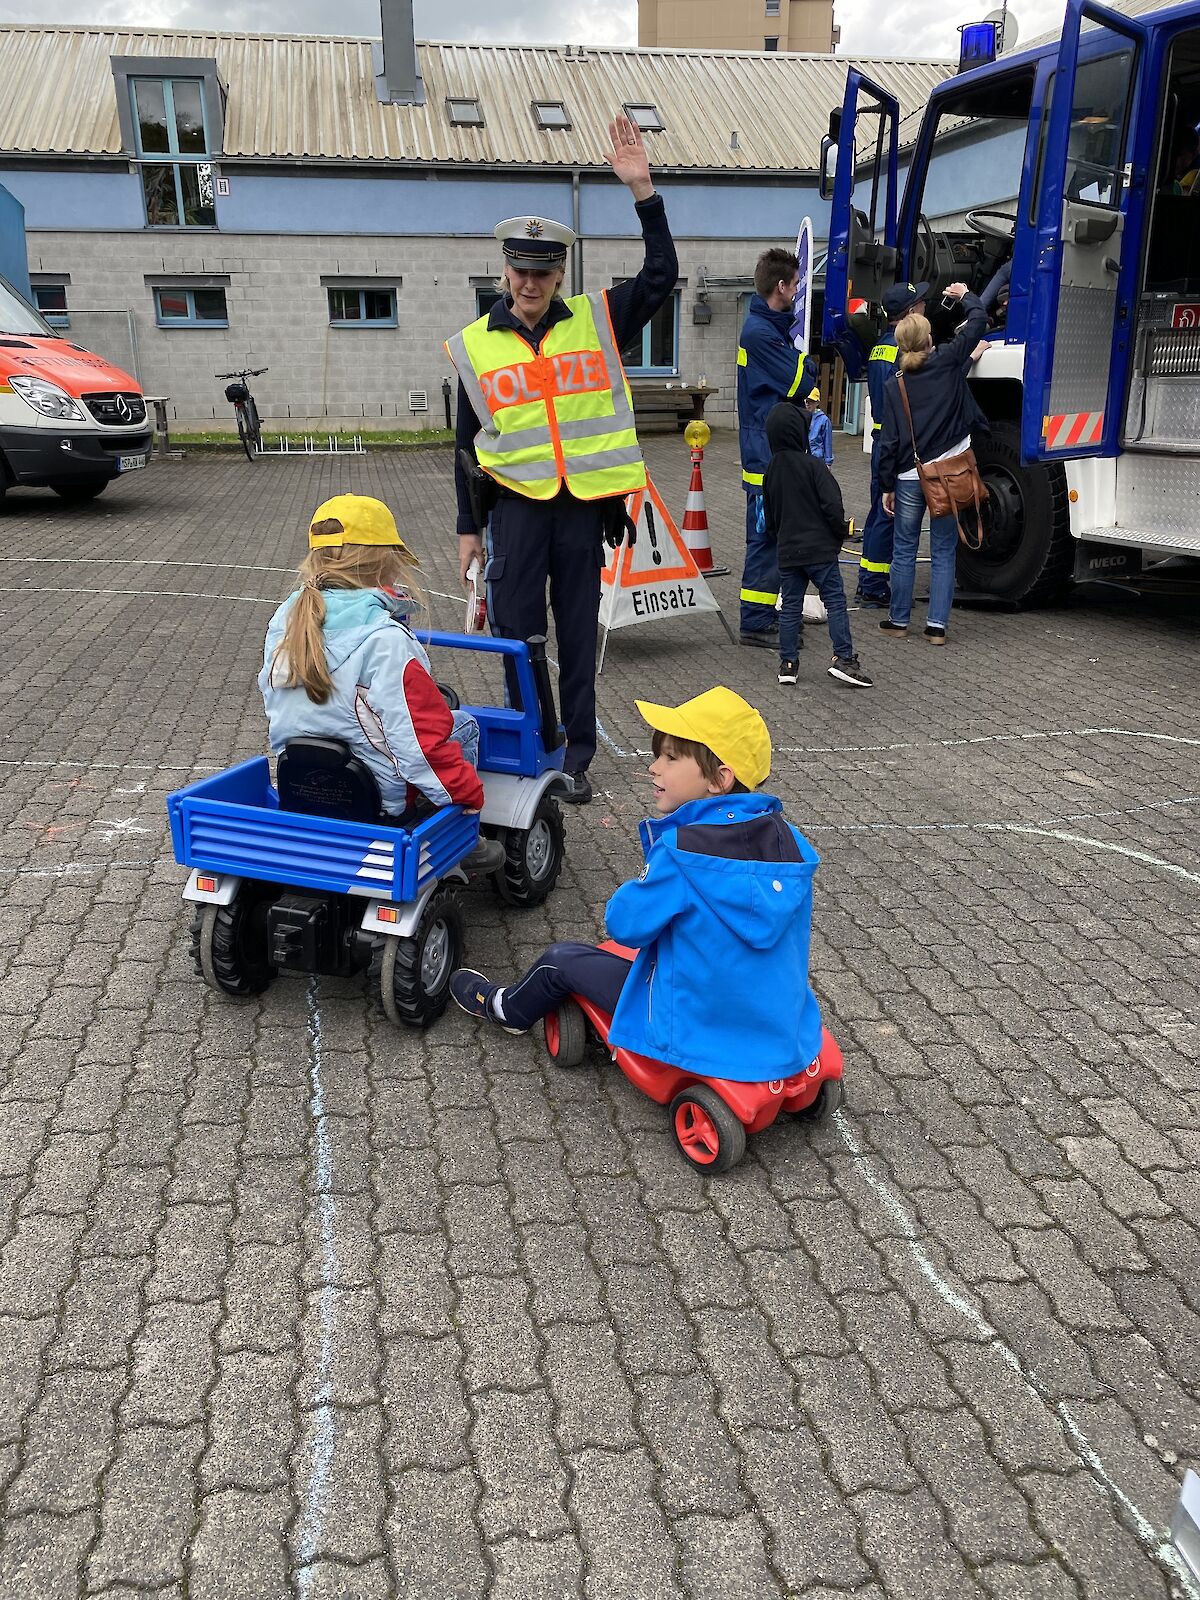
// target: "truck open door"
[[1081, 322], [861, 262]]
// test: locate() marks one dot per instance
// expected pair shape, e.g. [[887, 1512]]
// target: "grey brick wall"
[[321, 377]]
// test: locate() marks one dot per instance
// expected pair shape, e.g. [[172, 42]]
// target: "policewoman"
[[875, 563], [545, 410]]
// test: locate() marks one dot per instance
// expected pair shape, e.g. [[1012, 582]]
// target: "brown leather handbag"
[[950, 486]]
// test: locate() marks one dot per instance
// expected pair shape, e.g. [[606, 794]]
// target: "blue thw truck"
[[1074, 166]]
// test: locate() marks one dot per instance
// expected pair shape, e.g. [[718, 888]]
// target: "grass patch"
[[394, 436]]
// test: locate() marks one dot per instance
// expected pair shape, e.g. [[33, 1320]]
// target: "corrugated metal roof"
[[298, 96]]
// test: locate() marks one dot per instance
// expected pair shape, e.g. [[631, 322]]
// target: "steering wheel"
[[984, 221], [927, 267]]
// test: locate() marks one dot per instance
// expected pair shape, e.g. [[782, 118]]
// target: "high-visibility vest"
[[560, 414]]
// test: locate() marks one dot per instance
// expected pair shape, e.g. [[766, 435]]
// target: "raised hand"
[[628, 157]]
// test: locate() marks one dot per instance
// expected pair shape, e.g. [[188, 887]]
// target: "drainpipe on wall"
[[577, 247], [397, 76]]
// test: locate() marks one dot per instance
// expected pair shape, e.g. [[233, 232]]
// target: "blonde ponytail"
[[301, 651], [914, 340]]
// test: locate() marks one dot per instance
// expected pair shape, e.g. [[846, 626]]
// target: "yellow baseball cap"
[[363, 520], [730, 727], [815, 395]]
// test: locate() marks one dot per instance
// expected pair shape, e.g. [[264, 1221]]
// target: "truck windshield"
[[978, 151], [17, 316]]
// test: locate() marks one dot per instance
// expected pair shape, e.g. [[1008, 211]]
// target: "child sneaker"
[[789, 671], [477, 997], [849, 670]]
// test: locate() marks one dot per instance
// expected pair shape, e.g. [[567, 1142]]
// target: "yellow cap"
[[363, 520], [730, 727], [815, 395]]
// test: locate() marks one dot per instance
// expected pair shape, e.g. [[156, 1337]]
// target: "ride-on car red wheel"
[[566, 1035], [707, 1132]]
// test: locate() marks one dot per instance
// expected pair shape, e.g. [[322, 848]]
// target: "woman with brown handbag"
[[926, 462]]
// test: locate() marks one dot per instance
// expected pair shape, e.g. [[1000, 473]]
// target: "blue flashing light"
[[977, 45]]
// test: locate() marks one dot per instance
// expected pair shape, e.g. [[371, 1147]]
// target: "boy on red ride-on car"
[[720, 915]]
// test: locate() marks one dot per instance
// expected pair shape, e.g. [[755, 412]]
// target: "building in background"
[[804, 25], [324, 208]]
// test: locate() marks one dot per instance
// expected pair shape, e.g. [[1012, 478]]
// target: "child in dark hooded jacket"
[[805, 517]]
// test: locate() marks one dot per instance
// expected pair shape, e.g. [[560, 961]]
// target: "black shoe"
[[849, 670], [896, 628], [472, 991], [789, 671], [761, 639], [934, 634], [578, 790], [873, 602], [487, 856]]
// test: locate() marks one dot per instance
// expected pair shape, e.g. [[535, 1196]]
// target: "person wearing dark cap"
[[545, 410], [875, 563]]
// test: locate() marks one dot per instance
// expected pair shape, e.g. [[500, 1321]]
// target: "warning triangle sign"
[[656, 578]]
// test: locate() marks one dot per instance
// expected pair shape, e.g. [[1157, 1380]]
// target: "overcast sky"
[[915, 28]]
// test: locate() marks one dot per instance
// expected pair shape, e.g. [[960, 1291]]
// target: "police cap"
[[534, 242]]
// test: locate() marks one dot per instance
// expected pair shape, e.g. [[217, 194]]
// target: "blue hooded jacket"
[[722, 917], [770, 369]]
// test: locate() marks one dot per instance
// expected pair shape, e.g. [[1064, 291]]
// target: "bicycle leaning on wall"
[[244, 409]]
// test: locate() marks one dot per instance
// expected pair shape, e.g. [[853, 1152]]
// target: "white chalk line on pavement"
[[1104, 844], [141, 594], [138, 561], [311, 1530], [1159, 1548]]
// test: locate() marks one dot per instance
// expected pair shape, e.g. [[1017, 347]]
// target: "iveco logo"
[[122, 409]]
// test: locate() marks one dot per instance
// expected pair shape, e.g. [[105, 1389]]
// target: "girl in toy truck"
[[720, 915]]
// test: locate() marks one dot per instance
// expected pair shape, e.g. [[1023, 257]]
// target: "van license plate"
[[130, 463]]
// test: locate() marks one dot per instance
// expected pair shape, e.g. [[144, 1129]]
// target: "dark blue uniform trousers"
[[875, 563], [760, 575], [530, 541], [562, 970]]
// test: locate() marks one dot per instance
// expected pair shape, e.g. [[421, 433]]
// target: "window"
[[190, 308], [772, 8], [646, 117], [51, 301], [485, 299], [171, 141], [771, 42], [357, 308], [464, 113], [550, 114], [654, 352]]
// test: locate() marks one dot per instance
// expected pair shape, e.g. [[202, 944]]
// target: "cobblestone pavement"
[[294, 1304]]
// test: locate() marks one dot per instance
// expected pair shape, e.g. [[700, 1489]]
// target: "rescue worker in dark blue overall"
[[875, 563], [545, 410], [770, 369]]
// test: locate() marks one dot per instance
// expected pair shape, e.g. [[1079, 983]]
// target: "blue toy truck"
[[312, 876]]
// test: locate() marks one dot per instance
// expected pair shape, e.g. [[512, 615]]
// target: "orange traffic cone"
[[695, 519]]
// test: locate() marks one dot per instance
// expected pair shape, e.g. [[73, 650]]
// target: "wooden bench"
[[669, 405]]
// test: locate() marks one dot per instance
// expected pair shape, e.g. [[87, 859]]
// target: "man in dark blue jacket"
[[770, 369], [875, 563]]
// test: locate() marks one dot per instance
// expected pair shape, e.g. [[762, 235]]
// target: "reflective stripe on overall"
[[560, 414]]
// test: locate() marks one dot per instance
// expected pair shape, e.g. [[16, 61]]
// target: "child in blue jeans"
[[721, 915], [805, 517]]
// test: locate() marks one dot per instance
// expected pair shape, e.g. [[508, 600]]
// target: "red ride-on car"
[[710, 1117]]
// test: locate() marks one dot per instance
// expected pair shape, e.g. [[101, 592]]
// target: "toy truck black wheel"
[[1027, 556], [411, 975], [707, 1132], [533, 856], [566, 1035], [78, 494], [229, 946], [828, 1098]]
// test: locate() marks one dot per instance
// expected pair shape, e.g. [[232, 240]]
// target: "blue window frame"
[[190, 308], [362, 308], [171, 137], [654, 352]]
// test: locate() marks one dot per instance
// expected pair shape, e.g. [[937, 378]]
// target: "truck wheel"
[[411, 975], [708, 1133], [1028, 554], [533, 856], [78, 494], [229, 946]]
